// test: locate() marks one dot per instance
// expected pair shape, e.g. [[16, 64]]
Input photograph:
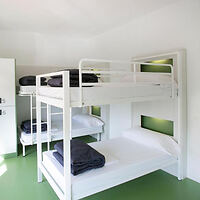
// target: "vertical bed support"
[[67, 136], [48, 126], [182, 114], [23, 150], [39, 144], [80, 82], [31, 109]]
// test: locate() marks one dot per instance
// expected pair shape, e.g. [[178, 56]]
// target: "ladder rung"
[[44, 107], [41, 123], [59, 113]]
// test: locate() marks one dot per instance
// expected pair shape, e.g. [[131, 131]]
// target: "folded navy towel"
[[26, 126], [30, 80], [56, 81], [83, 156]]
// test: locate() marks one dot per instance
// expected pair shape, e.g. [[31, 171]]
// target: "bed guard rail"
[[110, 70], [90, 66]]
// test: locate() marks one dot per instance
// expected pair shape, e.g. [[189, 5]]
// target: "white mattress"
[[95, 94], [125, 160], [26, 90], [78, 129]]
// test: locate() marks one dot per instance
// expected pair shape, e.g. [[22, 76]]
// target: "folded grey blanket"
[[83, 156], [26, 126], [56, 81], [30, 81]]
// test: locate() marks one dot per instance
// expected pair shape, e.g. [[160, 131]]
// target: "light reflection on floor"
[[3, 167]]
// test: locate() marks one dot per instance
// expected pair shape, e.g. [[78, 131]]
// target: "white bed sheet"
[[27, 90], [94, 94], [124, 159], [78, 129]]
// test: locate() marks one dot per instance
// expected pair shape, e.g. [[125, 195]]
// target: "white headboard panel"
[[158, 109], [175, 109]]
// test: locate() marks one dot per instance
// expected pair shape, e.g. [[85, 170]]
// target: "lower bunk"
[[82, 125], [126, 159]]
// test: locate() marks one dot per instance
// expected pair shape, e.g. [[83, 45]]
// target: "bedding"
[[27, 90], [128, 162], [83, 156], [26, 126], [78, 129], [31, 80], [56, 81], [88, 120], [153, 139]]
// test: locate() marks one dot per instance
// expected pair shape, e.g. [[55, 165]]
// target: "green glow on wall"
[[157, 68], [96, 110], [159, 125], [154, 124]]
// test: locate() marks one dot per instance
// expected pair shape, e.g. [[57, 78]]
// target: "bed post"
[[182, 114], [39, 145], [67, 136], [48, 126]]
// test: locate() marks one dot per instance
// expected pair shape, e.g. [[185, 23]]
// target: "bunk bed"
[[78, 128], [120, 167]]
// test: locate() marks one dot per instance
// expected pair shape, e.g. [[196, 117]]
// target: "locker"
[[8, 133]]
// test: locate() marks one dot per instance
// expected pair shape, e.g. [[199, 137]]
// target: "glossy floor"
[[18, 182]]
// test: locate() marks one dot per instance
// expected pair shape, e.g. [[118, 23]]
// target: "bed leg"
[[23, 150], [39, 173], [99, 137]]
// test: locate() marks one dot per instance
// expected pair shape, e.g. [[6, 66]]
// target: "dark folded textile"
[[30, 80], [56, 81], [26, 126], [83, 156]]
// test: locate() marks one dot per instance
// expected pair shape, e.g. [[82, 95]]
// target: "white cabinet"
[[8, 135], [7, 82], [8, 130]]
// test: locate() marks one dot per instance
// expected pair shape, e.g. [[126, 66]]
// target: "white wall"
[[172, 27], [36, 49], [39, 53]]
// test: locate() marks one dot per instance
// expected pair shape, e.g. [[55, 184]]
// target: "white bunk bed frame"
[[66, 104], [32, 110], [49, 114]]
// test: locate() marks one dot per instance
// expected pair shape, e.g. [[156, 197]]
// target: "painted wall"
[[173, 27], [39, 53]]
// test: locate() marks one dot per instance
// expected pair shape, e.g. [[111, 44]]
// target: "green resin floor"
[[18, 181]]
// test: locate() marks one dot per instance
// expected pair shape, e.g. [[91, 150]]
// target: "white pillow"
[[153, 139], [88, 120]]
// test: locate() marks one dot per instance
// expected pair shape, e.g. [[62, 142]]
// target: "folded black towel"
[[56, 81], [83, 156], [30, 80], [26, 126]]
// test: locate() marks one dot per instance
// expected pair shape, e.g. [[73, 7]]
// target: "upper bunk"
[[118, 81]]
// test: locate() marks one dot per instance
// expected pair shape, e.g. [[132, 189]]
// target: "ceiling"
[[77, 18]]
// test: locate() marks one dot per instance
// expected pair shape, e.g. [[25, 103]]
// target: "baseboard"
[[9, 155]]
